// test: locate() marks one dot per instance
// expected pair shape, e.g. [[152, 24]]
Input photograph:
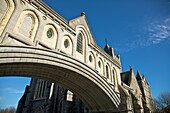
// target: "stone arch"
[[107, 70], [29, 31], [85, 33], [6, 15], [62, 69], [67, 45], [81, 56], [101, 67], [81, 29], [91, 60], [114, 77], [39, 110], [49, 36]]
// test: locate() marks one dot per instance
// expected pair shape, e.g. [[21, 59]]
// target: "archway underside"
[[61, 69]]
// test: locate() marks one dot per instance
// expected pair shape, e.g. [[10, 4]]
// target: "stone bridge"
[[37, 42]]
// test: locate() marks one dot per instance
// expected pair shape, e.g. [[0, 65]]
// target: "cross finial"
[[106, 41]]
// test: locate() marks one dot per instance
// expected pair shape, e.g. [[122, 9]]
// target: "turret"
[[109, 50]]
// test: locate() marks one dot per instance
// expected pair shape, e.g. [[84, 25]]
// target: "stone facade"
[[37, 42], [46, 97]]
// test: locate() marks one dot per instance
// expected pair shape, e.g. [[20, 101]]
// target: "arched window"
[[67, 45], [91, 60], [113, 72], [49, 36], [114, 78], [107, 72], [79, 43]]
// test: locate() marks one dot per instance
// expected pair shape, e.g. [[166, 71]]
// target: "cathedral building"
[[70, 72]]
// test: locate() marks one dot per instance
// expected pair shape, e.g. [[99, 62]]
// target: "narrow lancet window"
[[107, 72], [79, 43]]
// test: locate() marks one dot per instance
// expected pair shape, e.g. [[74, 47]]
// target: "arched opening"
[[100, 66], [114, 76], [49, 36], [67, 45], [80, 46], [27, 25], [107, 72], [80, 43], [91, 60]]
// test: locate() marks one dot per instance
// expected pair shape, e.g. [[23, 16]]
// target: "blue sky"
[[139, 30]]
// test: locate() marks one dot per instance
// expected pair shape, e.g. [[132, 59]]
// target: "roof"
[[108, 49], [82, 21], [144, 79], [126, 77], [138, 76]]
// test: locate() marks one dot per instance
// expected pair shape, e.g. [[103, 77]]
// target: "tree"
[[162, 101], [8, 110]]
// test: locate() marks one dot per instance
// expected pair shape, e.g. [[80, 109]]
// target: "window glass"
[[79, 43], [66, 43], [49, 33], [90, 58], [107, 73], [99, 64]]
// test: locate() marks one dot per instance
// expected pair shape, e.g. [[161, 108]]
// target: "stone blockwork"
[[35, 41]]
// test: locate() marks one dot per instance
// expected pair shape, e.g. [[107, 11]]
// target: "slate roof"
[[138, 76], [126, 77], [108, 49]]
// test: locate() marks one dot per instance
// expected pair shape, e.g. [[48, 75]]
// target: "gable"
[[82, 22]]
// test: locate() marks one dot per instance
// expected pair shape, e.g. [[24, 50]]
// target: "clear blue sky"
[[139, 30]]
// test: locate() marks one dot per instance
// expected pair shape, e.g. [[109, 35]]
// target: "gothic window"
[[40, 89], [79, 43], [107, 72]]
